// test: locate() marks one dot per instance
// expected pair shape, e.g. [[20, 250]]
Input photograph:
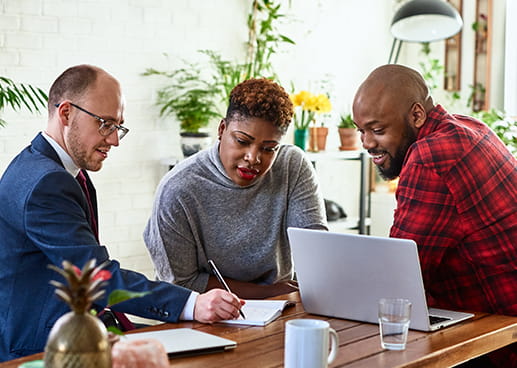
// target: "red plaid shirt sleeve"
[[457, 198]]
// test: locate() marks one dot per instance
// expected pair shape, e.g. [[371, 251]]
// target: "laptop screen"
[[345, 275]]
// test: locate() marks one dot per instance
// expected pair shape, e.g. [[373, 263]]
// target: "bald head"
[[394, 85], [390, 107], [74, 83]]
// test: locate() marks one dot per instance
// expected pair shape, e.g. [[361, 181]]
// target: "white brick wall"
[[41, 38]]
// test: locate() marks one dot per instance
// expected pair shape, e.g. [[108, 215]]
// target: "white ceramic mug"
[[307, 344]]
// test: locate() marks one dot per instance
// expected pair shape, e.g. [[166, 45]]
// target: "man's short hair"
[[71, 84]]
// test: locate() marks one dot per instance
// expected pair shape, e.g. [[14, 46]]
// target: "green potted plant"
[[18, 95], [503, 125], [193, 97], [193, 100], [347, 133]]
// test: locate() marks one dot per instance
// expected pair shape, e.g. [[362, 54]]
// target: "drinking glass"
[[394, 318]]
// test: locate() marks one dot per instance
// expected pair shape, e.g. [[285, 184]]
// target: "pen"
[[221, 280]]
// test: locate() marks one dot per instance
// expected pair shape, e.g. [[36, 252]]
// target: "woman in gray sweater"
[[233, 202]]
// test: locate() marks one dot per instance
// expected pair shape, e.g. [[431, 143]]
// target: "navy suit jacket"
[[44, 220]]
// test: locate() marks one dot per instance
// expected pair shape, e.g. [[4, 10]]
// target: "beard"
[[397, 160], [77, 150]]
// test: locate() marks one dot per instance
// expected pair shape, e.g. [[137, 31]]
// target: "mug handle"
[[334, 340]]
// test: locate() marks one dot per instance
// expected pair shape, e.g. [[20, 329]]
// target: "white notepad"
[[260, 312]]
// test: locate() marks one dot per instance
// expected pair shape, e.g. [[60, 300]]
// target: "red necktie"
[[93, 222], [125, 323]]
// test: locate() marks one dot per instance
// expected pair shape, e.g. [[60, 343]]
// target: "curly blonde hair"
[[261, 98]]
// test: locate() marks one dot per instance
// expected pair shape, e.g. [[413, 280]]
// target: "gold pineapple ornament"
[[78, 339]]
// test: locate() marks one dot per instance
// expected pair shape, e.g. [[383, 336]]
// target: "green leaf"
[[287, 39], [28, 96], [115, 330], [119, 296], [20, 95]]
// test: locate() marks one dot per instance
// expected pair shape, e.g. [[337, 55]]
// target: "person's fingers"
[[229, 305], [217, 305], [238, 302]]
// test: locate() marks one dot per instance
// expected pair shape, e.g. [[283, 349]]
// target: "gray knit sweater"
[[200, 214]]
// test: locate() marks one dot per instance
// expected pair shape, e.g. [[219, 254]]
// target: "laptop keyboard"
[[435, 319]]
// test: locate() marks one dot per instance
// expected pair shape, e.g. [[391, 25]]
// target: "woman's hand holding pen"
[[217, 305], [220, 278]]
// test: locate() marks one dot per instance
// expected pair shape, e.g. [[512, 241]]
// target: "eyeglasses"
[[107, 126]]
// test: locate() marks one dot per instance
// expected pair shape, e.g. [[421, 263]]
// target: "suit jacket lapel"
[[40, 144]]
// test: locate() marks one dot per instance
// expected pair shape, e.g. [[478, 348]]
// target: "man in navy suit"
[[45, 218]]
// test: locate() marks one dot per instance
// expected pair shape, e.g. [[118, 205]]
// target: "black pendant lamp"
[[423, 21]]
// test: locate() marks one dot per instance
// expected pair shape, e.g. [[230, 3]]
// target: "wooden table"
[[359, 343]]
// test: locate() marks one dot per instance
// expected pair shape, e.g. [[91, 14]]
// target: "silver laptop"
[[185, 341], [344, 276]]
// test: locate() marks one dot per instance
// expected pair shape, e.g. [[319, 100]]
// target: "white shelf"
[[362, 223], [334, 155], [349, 223]]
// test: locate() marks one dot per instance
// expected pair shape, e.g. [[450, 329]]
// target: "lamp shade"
[[425, 21]]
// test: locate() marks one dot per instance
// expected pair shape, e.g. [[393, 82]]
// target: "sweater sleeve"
[[306, 208], [170, 241]]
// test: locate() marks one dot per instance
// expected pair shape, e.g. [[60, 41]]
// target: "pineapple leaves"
[[84, 286]]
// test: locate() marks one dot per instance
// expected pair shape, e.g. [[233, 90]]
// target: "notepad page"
[[259, 316], [259, 312]]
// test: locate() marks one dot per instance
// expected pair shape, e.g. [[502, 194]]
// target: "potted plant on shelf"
[[193, 97], [347, 133], [192, 100], [307, 105]]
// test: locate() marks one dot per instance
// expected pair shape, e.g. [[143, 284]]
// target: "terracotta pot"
[[349, 139], [318, 138]]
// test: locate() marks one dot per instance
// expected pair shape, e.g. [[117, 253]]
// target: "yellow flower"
[[301, 98], [322, 103], [309, 104]]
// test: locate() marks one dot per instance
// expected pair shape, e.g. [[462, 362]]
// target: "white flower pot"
[[192, 143]]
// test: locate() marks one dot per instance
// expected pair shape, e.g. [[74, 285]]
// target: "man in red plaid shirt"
[[456, 196]]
